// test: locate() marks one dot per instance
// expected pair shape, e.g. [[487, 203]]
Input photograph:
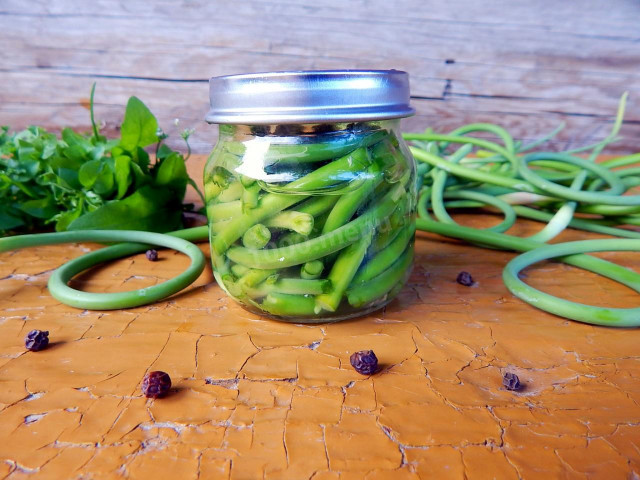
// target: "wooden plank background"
[[525, 65]]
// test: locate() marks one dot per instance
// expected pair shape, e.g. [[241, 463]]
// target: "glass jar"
[[311, 192]]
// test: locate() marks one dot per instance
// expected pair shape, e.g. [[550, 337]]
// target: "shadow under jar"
[[311, 192]]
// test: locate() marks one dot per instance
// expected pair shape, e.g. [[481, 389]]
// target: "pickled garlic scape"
[[295, 240], [311, 191]]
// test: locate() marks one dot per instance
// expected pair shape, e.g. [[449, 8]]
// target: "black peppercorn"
[[152, 255], [36, 340], [511, 381], [364, 362], [465, 278], [156, 384]]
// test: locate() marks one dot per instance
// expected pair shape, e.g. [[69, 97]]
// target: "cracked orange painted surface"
[[254, 398]]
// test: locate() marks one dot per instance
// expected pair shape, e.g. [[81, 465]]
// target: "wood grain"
[[527, 66]]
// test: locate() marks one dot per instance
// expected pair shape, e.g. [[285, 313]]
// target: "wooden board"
[[528, 66], [255, 398]]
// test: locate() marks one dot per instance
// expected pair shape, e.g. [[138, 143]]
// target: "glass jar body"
[[311, 222]]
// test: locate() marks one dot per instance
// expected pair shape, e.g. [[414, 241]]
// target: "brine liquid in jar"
[[311, 222]]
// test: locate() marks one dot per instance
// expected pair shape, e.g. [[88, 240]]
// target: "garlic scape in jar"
[[311, 201]]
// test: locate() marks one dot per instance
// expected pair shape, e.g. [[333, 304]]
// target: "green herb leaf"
[[123, 174], [141, 178], [139, 128], [64, 219], [147, 209], [87, 181], [172, 173], [163, 151], [40, 208], [89, 172], [105, 182], [9, 222]]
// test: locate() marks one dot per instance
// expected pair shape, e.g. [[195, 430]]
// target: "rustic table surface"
[[254, 398]]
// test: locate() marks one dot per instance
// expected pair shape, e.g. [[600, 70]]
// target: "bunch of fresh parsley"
[[86, 181]]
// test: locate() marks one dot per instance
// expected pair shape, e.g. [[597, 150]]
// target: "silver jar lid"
[[309, 97]]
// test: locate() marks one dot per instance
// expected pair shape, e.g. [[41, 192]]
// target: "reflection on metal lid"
[[309, 97]]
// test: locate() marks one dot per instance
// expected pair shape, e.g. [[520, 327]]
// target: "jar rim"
[[309, 96]]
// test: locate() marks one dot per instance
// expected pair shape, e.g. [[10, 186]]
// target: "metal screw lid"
[[309, 97]]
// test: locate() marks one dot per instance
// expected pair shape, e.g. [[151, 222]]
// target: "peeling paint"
[[254, 398]]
